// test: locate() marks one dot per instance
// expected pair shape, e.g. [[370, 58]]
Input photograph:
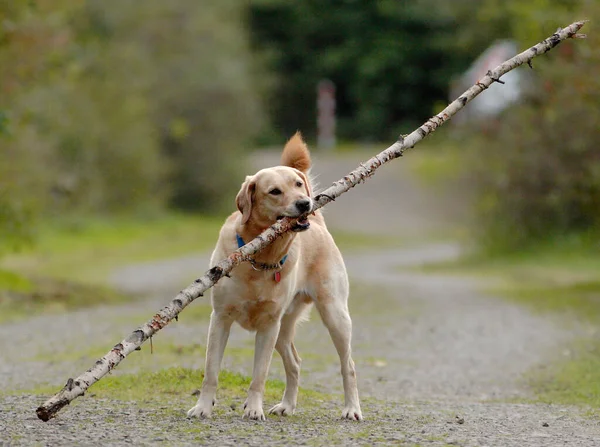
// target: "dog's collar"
[[261, 265]]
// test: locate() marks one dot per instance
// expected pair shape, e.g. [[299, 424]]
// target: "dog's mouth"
[[301, 225]]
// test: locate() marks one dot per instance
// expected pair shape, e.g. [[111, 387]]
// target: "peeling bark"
[[77, 387]]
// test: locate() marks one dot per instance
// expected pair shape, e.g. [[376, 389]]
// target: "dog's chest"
[[257, 303]]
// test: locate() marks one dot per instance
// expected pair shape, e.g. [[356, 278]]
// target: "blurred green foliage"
[[537, 169], [390, 61], [110, 107]]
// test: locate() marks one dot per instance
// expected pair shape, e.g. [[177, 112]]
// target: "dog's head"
[[274, 193]]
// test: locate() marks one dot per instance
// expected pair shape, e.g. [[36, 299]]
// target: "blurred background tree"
[[109, 107], [536, 171], [200, 80], [390, 61]]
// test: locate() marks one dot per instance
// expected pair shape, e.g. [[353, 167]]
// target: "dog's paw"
[[253, 412], [352, 413], [282, 409], [201, 410]]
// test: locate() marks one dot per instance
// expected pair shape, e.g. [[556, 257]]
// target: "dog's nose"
[[303, 205]]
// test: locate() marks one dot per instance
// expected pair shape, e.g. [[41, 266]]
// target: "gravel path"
[[438, 362]]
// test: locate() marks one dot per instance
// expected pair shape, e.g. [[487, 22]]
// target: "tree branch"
[[77, 387]]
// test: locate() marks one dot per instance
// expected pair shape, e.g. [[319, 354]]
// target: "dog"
[[278, 287]]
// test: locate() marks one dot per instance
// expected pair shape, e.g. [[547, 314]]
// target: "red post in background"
[[326, 114]]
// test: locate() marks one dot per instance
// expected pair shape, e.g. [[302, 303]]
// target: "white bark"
[[77, 387]]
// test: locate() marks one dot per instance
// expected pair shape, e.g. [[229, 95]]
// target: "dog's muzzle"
[[301, 225]]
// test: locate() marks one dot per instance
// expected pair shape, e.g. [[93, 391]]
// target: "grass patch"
[[173, 382], [581, 299], [176, 385], [437, 164], [14, 282], [560, 262], [197, 311], [71, 260], [66, 268], [34, 297], [87, 250], [573, 381]]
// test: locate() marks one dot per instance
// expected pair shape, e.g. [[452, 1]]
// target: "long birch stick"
[[77, 387]]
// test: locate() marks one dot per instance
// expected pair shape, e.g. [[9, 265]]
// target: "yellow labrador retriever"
[[278, 287]]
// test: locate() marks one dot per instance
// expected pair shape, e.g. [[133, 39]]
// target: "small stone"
[[232, 406], [545, 424], [460, 420], [196, 393]]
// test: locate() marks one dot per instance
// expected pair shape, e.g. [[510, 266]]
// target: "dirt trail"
[[427, 347]]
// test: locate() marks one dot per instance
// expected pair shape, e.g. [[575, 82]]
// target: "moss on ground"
[[575, 380], [174, 383]]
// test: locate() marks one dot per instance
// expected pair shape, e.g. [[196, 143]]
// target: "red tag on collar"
[[277, 276]]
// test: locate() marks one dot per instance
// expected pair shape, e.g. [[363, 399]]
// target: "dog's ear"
[[243, 199], [307, 184]]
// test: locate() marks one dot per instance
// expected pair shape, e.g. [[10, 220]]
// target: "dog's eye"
[[275, 191], [298, 184]]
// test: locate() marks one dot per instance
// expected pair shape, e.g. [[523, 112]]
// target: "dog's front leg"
[[263, 352], [218, 334]]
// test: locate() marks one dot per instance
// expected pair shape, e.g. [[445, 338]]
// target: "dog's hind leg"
[[291, 360], [336, 318], [218, 334]]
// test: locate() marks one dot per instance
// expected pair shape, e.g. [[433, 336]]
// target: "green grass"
[[560, 262], [87, 250], [15, 282], [572, 381], [33, 297], [68, 266], [437, 164], [178, 382], [581, 299], [173, 389]]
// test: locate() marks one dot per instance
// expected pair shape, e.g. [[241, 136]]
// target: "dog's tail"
[[295, 154]]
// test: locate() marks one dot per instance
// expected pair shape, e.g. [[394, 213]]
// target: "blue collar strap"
[[241, 243]]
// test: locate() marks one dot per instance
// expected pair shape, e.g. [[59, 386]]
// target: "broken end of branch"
[[45, 414], [578, 25], [51, 408]]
